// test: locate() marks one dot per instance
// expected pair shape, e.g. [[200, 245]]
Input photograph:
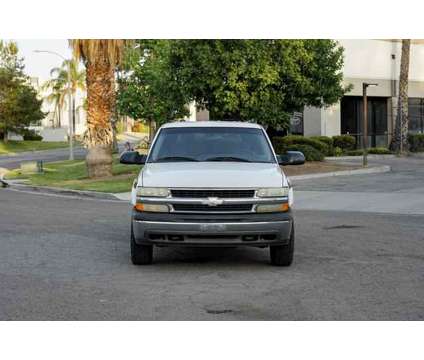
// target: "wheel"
[[140, 254], [282, 255]]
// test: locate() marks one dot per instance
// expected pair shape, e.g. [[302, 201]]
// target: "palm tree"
[[59, 87], [101, 57], [399, 141]]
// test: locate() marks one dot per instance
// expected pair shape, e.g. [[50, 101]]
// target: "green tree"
[[148, 89], [19, 105], [258, 80]]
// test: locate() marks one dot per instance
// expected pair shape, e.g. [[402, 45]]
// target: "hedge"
[[377, 150], [31, 135], [283, 142], [416, 142], [311, 153], [344, 142]]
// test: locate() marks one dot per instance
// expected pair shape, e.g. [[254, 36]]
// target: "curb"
[[63, 192], [359, 157], [123, 196], [371, 170]]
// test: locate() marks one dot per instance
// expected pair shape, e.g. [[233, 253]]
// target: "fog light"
[[272, 208], [151, 207]]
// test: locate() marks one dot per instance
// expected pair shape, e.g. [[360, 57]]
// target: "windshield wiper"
[[227, 158], [174, 158]]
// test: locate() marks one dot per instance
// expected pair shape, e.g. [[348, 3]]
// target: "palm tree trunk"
[[99, 135], [400, 138]]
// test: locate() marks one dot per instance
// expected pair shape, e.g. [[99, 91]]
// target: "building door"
[[352, 120]]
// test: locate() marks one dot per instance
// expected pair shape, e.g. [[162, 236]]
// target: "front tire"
[[140, 254], [282, 255]]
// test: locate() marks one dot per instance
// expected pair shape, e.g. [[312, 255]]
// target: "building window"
[[352, 120], [416, 115]]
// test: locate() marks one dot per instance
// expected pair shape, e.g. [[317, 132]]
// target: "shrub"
[[284, 142], [31, 135], [416, 142], [377, 151], [326, 140], [337, 151], [311, 153], [344, 142]]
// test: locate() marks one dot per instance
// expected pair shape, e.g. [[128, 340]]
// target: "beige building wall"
[[372, 61]]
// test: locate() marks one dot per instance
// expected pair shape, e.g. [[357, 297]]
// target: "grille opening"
[[205, 193], [206, 208], [156, 237], [269, 236], [250, 237], [172, 237], [212, 236]]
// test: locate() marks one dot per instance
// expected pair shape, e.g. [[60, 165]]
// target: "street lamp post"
[[71, 123], [365, 124]]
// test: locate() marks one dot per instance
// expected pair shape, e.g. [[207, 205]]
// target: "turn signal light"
[[139, 207], [151, 207], [273, 208]]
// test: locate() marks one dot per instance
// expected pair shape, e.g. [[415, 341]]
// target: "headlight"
[[152, 192], [152, 207], [267, 208], [273, 192]]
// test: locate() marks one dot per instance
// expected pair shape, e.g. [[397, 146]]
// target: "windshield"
[[211, 144]]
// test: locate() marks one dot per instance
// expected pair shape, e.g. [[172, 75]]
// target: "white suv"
[[212, 183]]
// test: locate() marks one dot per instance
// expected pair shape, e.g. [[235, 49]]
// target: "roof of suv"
[[237, 124]]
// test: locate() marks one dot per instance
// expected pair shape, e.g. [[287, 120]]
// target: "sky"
[[40, 64]]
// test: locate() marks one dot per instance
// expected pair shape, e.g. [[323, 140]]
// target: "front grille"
[[205, 193], [219, 208]]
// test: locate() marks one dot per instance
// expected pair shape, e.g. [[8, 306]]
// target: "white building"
[[373, 61]]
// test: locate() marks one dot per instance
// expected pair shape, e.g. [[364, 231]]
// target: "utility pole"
[[365, 123], [71, 123]]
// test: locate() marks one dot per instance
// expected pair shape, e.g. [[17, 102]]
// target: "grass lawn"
[[73, 175], [13, 146]]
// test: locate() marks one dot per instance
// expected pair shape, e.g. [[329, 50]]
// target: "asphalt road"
[[14, 161], [68, 259]]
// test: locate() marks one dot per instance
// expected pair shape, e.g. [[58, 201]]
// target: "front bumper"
[[223, 230]]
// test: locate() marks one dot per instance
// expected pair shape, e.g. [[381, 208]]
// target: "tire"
[[282, 255], [140, 254]]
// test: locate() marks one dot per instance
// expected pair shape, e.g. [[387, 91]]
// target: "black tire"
[[282, 255], [140, 254]]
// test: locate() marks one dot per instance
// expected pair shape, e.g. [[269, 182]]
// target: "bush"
[[416, 142], [377, 151], [344, 142], [328, 141], [284, 142], [31, 135], [311, 153]]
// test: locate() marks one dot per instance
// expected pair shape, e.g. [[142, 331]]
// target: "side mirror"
[[291, 158], [132, 158]]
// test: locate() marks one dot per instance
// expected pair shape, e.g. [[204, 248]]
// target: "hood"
[[212, 174]]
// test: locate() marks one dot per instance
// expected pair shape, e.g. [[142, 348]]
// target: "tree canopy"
[[148, 88], [19, 105], [248, 80]]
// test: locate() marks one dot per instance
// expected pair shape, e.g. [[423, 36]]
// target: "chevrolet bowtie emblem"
[[213, 201]]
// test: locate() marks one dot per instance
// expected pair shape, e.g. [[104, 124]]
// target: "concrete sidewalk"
[[388, 203]]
